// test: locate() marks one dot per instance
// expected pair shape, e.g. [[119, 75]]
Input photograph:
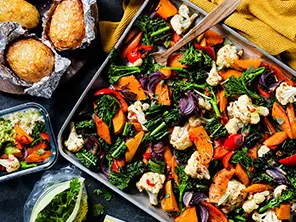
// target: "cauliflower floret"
[[226, 55], [75, 142], [263, 150], [136, 113], [268, 216], [152, 183], [278, 190], [234, 125], [213, 76], [204, 103], [254, 200], [195, 121], [180, 138], [236, 196], [182, 21], [285, 94], [195, 169], [245, 112], [11, 164]]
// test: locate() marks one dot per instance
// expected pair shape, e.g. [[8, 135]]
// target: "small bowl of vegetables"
[[27, 142]]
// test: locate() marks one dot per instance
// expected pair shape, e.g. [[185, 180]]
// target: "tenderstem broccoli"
[[116, 72], [119, 148], [193, 57]]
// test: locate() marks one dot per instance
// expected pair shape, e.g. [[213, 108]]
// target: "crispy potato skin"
[[67, 28], [30, 59], [19, 11]]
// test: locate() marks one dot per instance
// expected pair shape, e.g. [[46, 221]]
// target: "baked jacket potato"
[[30, 59], [67, 28], [19, 11]]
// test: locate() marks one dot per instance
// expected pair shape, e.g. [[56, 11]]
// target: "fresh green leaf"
[[98, 210], [25, 165], [107, 196], [98, 192]]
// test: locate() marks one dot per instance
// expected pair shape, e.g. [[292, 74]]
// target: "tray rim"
[[98, 73], [49, 129]]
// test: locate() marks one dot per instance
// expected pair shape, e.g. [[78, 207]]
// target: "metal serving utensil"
[[221, 12]]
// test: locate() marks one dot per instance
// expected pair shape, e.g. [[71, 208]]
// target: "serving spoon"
[[221, 12]]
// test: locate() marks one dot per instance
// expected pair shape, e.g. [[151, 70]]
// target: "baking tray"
[[49, 162], [100, 81]]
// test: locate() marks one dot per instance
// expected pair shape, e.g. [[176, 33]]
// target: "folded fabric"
[[270, 24]]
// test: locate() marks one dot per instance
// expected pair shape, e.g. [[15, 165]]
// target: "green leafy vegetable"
[[86, 127], [215, 129], [87, 158], [213, 101], [128, 173], [38, 128], [193, 57], [242, 157], [61, 206], [98, 192], [98, 210], [107, 196], [116, 72], [107, 107], [154, 30], [118, 149], [179, 87]]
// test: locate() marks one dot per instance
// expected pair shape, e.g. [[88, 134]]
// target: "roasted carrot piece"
[[203, 143], [132, 146], [226, 74], [174, 175], [276, 139], [257, 188], [38, 146], [137, 125], [102, 129], [132, 84], [253, 152], [163, 93], [175, 37], [118, 121], [132, 45], [226, 159], [174, 61], [21, 136], [219, 184], [242, 174], [213, 38], [292, 120], [166, 71], [283, 212], [189, 215], [242, 65], [269, 126], [169, 203], [35, 158], [166, 9], [167, 156], [215, 215], [222, 100], [280, 115]]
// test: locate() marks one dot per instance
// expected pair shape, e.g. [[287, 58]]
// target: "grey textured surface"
[[14, 193]]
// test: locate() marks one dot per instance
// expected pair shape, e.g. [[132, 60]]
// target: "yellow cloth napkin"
[[270, 24]]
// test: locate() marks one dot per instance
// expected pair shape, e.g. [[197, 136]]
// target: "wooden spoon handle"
[[218, 14]]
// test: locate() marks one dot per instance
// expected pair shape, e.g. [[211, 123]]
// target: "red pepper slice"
[[147, 155], [234, 142], [262, 92], [149, 183], [289, 161], [117, 95], [219, 150], [45, 136], [138, 52], [226, 159], [207, 49]]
